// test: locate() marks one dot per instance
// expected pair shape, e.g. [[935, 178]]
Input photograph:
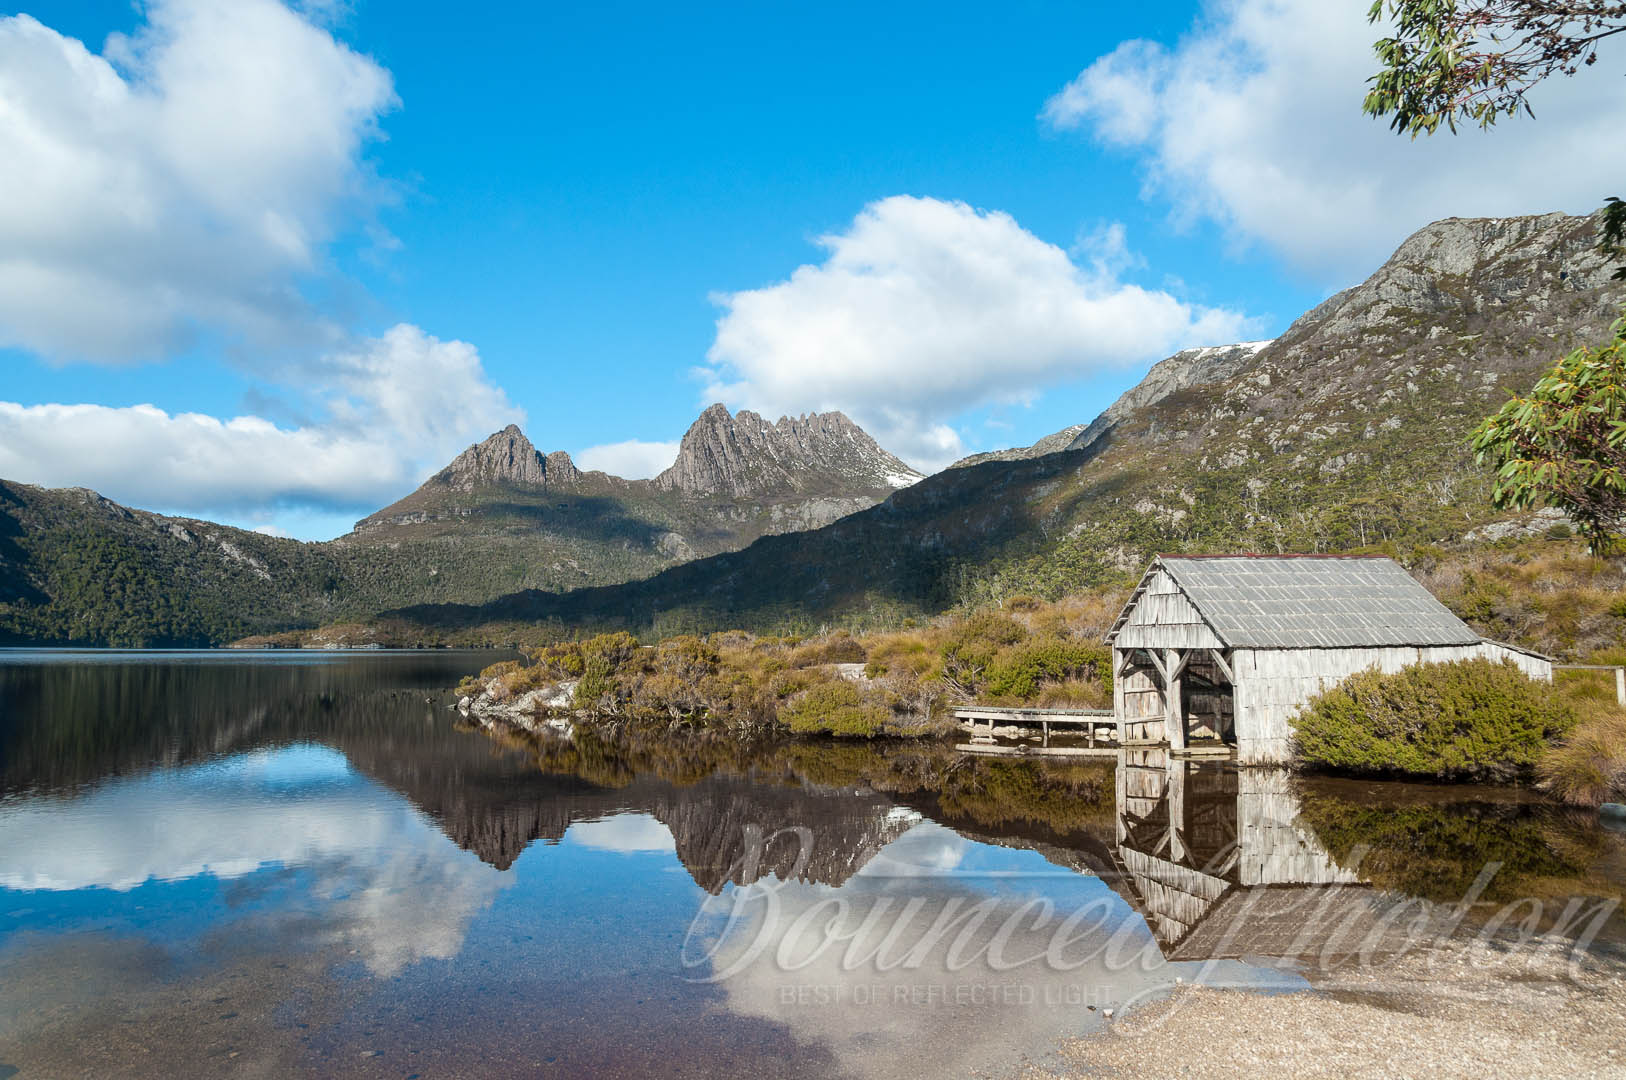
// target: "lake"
[[297, 863]]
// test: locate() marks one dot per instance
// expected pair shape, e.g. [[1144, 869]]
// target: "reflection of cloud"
[[387, 883], [896, 975], [623, 832], [924, 849]]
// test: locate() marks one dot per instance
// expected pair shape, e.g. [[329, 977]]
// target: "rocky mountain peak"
[[1467, 266], [742, 454], [1184, 370], [506, 457]]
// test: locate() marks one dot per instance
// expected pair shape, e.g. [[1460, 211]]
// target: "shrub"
[[1021, 671], [839, 649], [834, 708], [602, 659], [973, 644], [902, 653], [1464, 720]]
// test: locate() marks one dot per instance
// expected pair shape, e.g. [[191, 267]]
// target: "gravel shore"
[[1458, 1013]]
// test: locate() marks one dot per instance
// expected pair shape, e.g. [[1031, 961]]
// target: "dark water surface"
[[297, 864]]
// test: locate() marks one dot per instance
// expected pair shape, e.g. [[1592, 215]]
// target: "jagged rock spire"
[[507, 458], [744, 455]]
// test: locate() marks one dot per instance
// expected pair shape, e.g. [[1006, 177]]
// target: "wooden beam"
[[1158, 663], [1185, 661], [1174, 716], [1221, 663]]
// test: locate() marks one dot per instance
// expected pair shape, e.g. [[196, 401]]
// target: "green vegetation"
[[1465, 720], [834, 708], [1564, 444], [742, 682]]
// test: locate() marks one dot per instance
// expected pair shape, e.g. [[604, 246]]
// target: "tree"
[[1565, 443], [1476, 60]]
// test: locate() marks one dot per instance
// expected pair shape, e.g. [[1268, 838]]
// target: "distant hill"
[[78, 568], [1350, 430]]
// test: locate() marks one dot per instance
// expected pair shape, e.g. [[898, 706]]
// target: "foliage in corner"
[[1477, 60], [1564, 444]]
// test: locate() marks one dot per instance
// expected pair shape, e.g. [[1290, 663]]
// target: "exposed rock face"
[[1050, 444], [1478, 264], [504, 512], [1184, 370], [745, 456], [506, 458]]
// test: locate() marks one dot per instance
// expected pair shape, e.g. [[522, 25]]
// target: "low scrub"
[[1465, 720], [1031, 653], [835, 708], [1589, 766]]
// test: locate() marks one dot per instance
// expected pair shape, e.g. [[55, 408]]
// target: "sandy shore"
[[1462, 1013]]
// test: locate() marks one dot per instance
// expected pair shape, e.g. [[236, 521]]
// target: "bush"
[[602, 659], [973, 644], [839, 649], [1465, 720], [834, 708], [1021, 671]]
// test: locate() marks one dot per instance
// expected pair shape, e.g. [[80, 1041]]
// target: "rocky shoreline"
[[1457, 1010]]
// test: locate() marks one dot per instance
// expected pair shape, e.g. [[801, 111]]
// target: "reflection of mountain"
[[69, 725]]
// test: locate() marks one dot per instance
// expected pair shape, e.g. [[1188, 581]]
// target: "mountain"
[[1348, 430], [746, 457], [502, 516], [1185, 369], [736, 478]]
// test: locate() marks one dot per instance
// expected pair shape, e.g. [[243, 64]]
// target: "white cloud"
[[923, 309], [391, 886], [392, 409], [633, 459], [1254, 121], [623, 832], [185, 180]]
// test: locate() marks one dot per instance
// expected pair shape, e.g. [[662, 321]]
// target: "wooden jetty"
[[1089, 720]]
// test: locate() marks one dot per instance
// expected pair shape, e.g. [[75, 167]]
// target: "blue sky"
[[352, 239]]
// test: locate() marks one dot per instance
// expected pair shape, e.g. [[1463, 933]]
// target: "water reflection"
[[301, 860]]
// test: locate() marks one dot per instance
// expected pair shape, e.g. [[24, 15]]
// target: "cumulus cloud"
[[633, 459], [391, 409], [186, 178], [391, 886], [1254, 121], [923, 309]]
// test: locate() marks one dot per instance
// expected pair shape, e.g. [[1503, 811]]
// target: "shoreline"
[[1457, 1010]]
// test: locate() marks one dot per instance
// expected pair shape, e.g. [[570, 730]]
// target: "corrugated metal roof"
[[1315, 602]]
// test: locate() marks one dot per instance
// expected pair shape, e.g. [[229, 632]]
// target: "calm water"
[[296, 863]]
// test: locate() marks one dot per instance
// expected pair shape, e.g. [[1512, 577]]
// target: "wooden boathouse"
[[1225, 648]]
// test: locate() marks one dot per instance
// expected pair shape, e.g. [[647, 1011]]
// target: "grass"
[[1589, 766]]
